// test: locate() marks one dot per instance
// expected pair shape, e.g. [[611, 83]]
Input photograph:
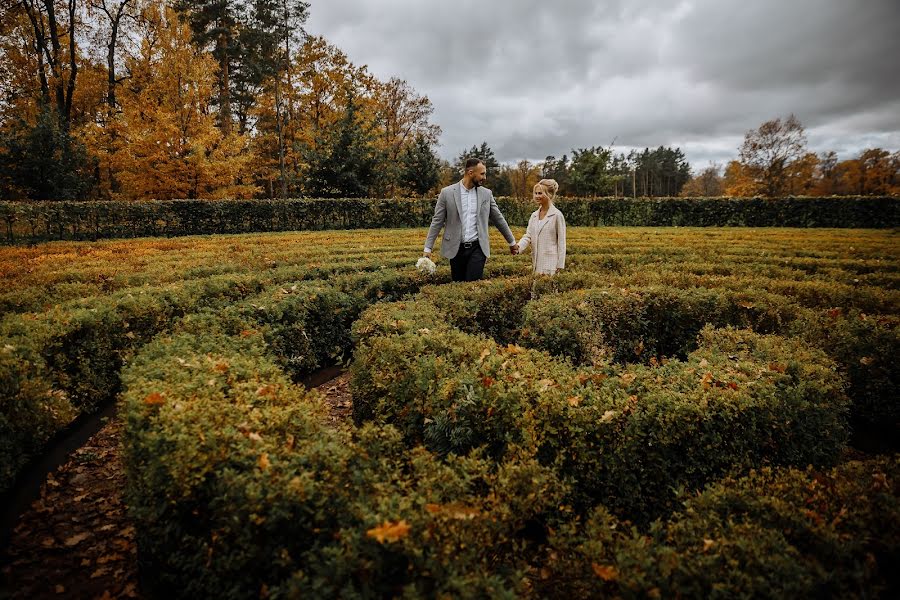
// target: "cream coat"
[[547, 238]]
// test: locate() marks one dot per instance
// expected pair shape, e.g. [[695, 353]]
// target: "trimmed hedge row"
[[598, 325], [239, 489], [626, 438], [777, 533], [39, 221], [66, 361]]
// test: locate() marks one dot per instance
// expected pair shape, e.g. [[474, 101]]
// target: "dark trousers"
[[468, 264]]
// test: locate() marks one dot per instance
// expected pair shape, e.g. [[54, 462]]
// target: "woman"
[[546, 231]]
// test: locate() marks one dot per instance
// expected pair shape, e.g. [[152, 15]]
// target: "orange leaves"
[[263, 462], [454, 510], [777, 367], [267, 390], [154, 399], [574, 400], [595, 378], [389, 531], [487, 381], [546, 384], [605, 572], [709, 381]]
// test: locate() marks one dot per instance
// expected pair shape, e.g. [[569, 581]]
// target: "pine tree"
[[420, 167], [344, 162], [44, 161]]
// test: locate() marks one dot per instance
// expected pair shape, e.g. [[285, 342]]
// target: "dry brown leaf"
[[389, 531], [605, 572], [76, 539], [264, 461], [154, 399]]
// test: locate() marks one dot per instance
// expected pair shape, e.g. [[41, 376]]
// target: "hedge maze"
[[681, 412]]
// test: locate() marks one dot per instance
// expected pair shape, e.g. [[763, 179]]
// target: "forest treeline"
[[165, 99]]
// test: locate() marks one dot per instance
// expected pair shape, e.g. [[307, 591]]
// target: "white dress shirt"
[[469, 200]]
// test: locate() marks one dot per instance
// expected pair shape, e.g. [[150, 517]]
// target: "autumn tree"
[[738, 181], [707, 184], [879, 172], [767, 154], [523, 177], [827, 176], [403, 117], [53, 45], [116, 13], [801, 175], [171, 146], [271, 35]]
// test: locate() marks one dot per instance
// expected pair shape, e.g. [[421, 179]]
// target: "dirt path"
[[75, 540]]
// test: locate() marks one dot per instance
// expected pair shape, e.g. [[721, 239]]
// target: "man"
[[466, 208]]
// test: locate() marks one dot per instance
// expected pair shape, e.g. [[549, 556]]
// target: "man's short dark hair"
[[472, 162]]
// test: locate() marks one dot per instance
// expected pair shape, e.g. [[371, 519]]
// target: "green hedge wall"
[[624, 437], [25, 222], [776, 533]]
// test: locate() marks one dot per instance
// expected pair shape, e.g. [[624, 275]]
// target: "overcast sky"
[[535, 78]]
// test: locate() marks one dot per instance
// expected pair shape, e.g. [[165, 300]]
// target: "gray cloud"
[[534, 78]]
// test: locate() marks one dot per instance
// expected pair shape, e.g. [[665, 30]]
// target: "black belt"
[[469, 244]]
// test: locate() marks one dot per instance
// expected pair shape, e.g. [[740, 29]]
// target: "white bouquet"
[[425, 265]]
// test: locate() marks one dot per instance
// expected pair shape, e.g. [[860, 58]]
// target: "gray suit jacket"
[[447, 213]]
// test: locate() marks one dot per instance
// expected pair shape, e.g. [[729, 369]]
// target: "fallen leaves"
[[605, 572], [389, 531], [154, 399], [454, 510], [78, 530], [76, 539]]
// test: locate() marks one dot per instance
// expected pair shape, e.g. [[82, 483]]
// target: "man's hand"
[[514, 249], [427, 255]]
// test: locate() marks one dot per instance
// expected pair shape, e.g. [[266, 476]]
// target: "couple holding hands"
[[465, 209]]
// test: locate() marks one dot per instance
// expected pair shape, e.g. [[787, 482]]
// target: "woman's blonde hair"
[[550, 187]]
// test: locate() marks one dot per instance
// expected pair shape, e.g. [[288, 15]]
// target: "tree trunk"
[[278, 128], [224, 85]]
